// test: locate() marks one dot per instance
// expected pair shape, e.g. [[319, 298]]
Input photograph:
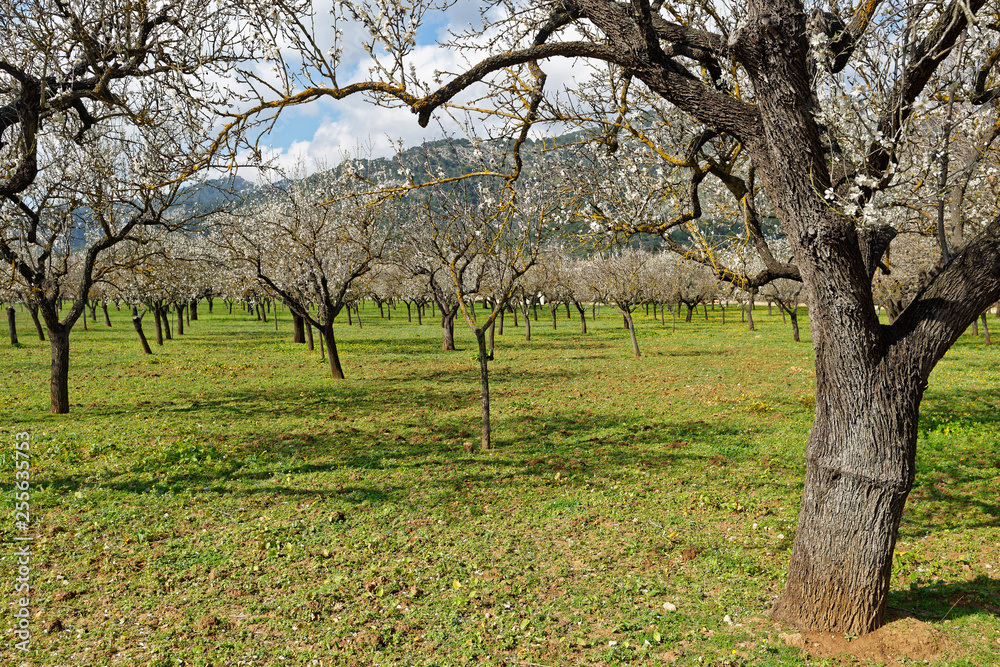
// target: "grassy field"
[[223, 502]]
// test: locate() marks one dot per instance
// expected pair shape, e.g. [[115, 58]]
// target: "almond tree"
[[816, 109], [103, 109], [494, 234], [309, 242], [623, 279]]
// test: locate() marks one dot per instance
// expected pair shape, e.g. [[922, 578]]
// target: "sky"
[[322, 132]]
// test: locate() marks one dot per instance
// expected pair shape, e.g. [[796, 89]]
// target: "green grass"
[[224, 502]]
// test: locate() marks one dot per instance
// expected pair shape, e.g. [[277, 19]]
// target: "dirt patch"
[[905, 638]]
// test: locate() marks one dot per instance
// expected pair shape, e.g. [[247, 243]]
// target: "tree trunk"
[[137, 323], [309, 336], [107, 318], [420, 314], [793, 315], [448, 328], [986, 330], [59, 372], [159, 326], [859, 471], [33, 310], [298, 328], [503, 309], [554, 307], [705, 308], [492, 340], [92, 307], [583, 316], [331, 345], [12, 325], [527, 324], [165, 317], [690, 312], [631, 331], [975, 328], [193, 309], [409, 313], [180, 318], [484, 380], [210, 299]]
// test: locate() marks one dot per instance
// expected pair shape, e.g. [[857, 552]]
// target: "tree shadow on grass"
[[938, 602], [242, 464]]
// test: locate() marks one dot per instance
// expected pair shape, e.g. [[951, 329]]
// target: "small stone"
[[669, 606]]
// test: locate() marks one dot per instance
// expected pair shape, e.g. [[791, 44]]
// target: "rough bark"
[[631, 331], [107, 318]]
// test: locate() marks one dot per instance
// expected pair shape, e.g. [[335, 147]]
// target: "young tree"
[[496, 232], [310, 242], [623, 279]]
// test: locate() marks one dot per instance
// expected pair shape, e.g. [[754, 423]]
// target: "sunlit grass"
[[225, 502]]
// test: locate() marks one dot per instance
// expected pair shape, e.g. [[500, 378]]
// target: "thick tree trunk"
[[690, 312], [12, 325], [583, 316], [503, 309], [859, 471], [298, 328], [331, 345], [59, 371], [193, 310], [484, 380], [309, 336], [180, 318]]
